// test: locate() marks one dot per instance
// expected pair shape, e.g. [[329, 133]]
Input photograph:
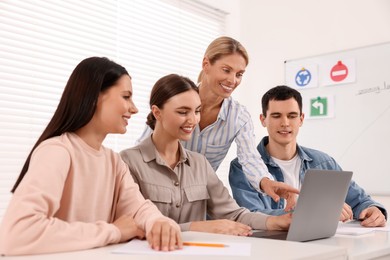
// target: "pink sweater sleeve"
[[30, 226], [69, 198]]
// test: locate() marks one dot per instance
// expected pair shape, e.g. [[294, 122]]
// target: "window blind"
[[43, 41]]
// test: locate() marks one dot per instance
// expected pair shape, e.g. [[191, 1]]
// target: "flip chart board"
[[346, 101]]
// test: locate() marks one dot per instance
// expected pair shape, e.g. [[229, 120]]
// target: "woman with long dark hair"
[[73, 193]]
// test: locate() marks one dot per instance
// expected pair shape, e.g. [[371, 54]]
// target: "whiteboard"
[[347, 110]]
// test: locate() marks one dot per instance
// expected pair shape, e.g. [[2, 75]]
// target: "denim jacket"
[[246, 196]]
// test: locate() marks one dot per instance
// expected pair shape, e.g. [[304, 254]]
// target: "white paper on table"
[[354, 228], [141, 247]]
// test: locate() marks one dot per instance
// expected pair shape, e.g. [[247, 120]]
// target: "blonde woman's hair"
[[221, 47]]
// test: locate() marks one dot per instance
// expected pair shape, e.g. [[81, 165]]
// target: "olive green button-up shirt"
[[189, 191]]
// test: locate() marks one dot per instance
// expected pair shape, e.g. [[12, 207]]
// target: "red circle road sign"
[[339, 72]]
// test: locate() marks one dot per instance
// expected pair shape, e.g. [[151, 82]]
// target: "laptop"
[[319, 205]]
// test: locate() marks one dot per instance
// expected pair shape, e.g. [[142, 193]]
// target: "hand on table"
[[221, 226], [346, 213], [372, 217], [165, 235]]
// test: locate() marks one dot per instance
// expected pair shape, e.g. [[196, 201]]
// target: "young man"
[[287, 162]]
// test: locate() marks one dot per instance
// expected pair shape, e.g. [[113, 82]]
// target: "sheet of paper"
[[141, 247], [354, 228]]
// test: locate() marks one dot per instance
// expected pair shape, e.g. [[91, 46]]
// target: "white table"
[[261, 249], [368, 246]]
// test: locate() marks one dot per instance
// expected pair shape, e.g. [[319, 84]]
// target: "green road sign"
[[318, 107]]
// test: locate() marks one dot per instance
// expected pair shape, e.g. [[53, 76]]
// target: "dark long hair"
[[165, 88], [78, 102]]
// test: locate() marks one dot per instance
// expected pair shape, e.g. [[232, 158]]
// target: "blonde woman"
[[224, 120]]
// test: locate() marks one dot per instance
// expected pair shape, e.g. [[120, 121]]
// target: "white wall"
[[233, 18], [275, 31]]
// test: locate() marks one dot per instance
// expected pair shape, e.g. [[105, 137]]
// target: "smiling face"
[[179, 116], [283, 120], [115, 107], [225, 74]]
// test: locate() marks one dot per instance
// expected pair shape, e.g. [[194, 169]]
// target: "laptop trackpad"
[[272, 234]]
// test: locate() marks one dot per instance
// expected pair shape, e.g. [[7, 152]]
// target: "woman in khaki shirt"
[[182, 183]]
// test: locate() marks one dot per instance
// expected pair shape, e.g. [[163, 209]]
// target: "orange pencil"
[[203, 244]]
